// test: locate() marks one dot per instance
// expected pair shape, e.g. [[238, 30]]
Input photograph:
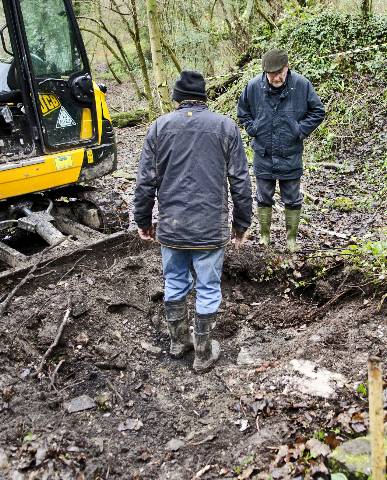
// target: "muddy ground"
[[295, 335]]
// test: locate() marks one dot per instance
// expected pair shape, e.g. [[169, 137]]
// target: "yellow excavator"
[[56, 134]]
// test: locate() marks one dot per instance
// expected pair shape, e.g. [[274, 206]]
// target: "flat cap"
[[274, 60]]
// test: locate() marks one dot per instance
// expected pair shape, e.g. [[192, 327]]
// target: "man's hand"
[[238, 238], [147, 234]]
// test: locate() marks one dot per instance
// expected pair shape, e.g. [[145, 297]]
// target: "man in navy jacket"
[[279, 109], [191, 159]]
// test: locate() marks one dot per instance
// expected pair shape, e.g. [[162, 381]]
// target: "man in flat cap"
[[192, 158], [279, 108]]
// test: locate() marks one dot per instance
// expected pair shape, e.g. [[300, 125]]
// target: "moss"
[[353, 458], [344, 204], [130, 119]]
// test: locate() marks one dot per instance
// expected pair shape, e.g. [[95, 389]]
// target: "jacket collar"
[[192, 105]]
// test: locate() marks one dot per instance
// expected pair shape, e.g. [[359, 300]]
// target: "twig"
[[54, 373], [112, 387], [5, 304], [55, 342], [46, 302]]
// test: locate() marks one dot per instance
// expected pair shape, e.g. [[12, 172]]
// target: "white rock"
[[175, 444], [3, 460], [78, 404], [151, 348], [249, 357], [316, 381]]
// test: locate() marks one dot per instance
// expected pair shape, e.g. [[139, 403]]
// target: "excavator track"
[[46, 227], [111, 208]]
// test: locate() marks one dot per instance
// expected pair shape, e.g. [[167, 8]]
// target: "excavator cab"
[[55, 127]]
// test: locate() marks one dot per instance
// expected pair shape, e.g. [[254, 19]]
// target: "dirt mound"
[[142, 414]]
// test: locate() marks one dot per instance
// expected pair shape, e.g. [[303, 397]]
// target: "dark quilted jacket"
[[279, 127], [190, 160]]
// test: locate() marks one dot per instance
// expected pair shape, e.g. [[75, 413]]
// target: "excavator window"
[[60, 72], [50, 38]]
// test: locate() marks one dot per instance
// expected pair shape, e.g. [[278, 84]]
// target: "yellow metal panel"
[[41, 173], [98, 104], [105, 109], [86, 124]]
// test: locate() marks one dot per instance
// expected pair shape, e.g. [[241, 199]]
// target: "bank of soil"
[[114, 351]]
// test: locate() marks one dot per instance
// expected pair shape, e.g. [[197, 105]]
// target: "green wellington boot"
[[176, 313], [264, 216], [292, 219], [207, 351]]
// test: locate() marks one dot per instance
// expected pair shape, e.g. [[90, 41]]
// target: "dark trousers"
[[289, 190]]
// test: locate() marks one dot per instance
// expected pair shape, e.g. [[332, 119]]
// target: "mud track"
[[114, 350]]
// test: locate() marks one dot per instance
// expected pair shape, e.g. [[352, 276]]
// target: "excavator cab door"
[[62, 86]]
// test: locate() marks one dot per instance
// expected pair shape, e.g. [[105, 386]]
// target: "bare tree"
[[157, 56]]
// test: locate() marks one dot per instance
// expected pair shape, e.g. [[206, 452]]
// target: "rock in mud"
[[3, 460], [317, 448], [156, 292], [151, 348], [249, 357], [131, 263], [130, 424], [78, 309], [354, 458], [79, 404], [316, 381], [40, 456], [175, 444]]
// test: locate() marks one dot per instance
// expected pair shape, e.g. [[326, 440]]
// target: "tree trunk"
[[157, 58], [247, 14], [141, 58], [366, 8]]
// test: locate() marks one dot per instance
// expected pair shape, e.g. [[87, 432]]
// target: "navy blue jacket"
[[188, 159], [279, 127]]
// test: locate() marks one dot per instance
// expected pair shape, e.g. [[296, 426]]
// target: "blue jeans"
[[207, 264]]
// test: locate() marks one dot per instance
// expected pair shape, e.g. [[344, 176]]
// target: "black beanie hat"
[[189, 86]]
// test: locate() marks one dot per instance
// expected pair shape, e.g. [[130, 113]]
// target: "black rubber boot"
[[207, 351], [176, 314]]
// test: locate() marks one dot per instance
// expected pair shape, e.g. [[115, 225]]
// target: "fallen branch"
[[334, 166], [130, 119], [55, 342], [357, 50]]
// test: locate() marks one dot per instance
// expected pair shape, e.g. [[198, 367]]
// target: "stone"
[[3, 460], [130, 424], [79, 404], [317, 448], [249, 357], [353, 458], [151, 348], [175, 444], [132, 263], [78, 309], [156, 292], [315, 381], [40, 456]]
